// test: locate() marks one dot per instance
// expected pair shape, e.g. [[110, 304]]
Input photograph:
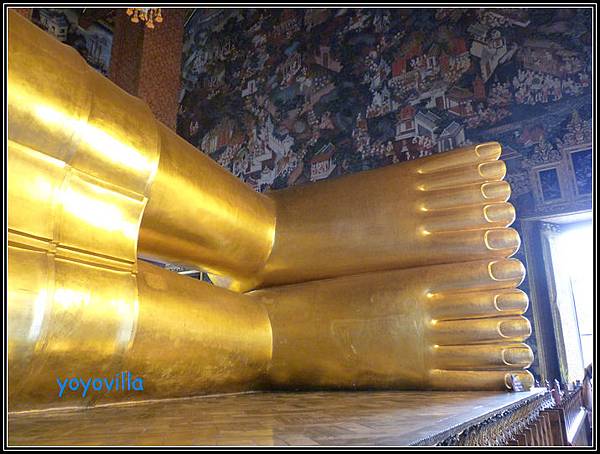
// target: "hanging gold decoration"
[[147, 15]]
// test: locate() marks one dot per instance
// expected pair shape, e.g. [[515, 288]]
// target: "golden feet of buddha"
[[477, 335], [401, 277]]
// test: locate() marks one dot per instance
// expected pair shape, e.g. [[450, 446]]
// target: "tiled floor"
[[316, 418]]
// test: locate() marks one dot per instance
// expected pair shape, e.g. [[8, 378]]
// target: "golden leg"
[[441, 209], [194, 211], [73, 320]]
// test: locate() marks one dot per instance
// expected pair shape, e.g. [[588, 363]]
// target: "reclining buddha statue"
[[394, 278]]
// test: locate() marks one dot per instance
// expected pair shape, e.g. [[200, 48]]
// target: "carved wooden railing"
[[563, 424], [539, 421]]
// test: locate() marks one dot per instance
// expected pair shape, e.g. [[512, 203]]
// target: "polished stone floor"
[[315, 418]]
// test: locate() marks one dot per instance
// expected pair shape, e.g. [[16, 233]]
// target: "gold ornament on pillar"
[[147, 15]]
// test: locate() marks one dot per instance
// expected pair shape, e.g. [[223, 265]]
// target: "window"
[[575, 248], [571, 287]]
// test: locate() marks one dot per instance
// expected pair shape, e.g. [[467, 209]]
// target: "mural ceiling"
[[284, 97]]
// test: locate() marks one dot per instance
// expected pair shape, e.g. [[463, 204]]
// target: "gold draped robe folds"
[[397, 278]]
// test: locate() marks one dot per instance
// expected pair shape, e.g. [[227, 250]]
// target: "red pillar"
[[147, 62]]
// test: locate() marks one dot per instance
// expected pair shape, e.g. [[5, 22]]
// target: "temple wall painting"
[[93, 42], [287, 97]]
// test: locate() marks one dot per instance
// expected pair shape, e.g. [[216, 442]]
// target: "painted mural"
[[94, 43], [288, 96]]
